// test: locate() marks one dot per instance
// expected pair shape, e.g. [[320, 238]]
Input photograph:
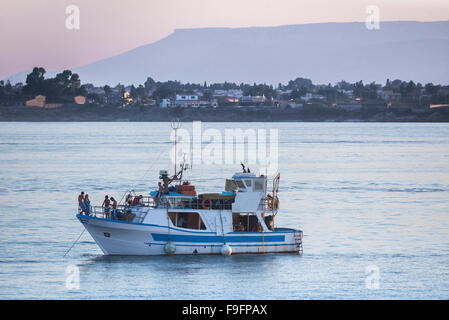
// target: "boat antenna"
[[176, 124]]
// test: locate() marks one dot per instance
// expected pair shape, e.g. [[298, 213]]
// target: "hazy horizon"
[[34, 32]]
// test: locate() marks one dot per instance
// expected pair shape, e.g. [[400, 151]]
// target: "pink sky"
[[33, 32]]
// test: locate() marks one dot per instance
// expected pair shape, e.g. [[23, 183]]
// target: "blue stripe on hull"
[[219, 245], [215, 239]]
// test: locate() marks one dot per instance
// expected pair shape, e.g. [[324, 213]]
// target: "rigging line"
[[154, 163], [152, 166], [75, 242]]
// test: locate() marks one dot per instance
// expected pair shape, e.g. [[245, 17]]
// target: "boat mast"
[[176, 124]]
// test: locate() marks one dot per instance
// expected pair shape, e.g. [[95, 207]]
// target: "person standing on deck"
[[159, 194], [160, 191], [129, 200], [167, 182], [106, 206], [87, 205], [81, 202], [114, 208], [137, 201]]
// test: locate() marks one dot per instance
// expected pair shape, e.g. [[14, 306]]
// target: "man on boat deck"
[[106, 206], [160, 190], [168, 180], [86, 205], [114, 208], [137, 201], [129, 200]]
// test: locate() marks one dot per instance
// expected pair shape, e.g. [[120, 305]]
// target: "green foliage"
[[163, 92], [64, 84], [35, 81], [260, 90], [149, 84], [300, 83], [107, 92], [2, 90], [298, 93], [366, 92]]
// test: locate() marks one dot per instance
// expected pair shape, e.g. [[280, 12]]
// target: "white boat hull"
[[129, 238]]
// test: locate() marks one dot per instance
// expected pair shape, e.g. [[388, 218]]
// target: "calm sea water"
[[368, 196]]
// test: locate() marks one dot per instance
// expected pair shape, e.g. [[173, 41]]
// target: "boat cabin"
[[249, 182]]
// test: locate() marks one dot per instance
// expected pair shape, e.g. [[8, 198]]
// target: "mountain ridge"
[[324, 52]]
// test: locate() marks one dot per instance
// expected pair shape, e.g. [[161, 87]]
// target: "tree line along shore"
[[65, 98]]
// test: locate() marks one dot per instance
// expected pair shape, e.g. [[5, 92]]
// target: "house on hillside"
[[348, 93], [236, 93], [39, 101], [231, 99], [439, 107], [183, 100], [388, 95], [309, 96], [165, 103], [80, 99], [253, 99]]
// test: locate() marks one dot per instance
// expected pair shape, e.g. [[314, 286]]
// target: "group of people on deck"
[[110, 206], [107, 207], [84, 203]]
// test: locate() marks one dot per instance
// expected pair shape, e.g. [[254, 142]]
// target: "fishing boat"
[[175, 219]]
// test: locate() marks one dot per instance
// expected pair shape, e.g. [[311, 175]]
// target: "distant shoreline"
[[92, 113]]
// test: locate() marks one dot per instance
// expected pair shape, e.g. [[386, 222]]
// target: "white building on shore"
[[165, 103], [186, 100]]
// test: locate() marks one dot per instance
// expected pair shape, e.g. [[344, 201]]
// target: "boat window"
[[248, 183], [230, 186], [245, 222], [240, 184], [258, 185], [187, 220]]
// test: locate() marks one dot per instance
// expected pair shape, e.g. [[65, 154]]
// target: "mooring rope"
[[74, 242]]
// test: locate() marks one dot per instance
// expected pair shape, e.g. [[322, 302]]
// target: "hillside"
[[323, 52]]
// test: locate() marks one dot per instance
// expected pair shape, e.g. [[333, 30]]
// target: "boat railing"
[[269, 204], [122, 213], [148, 201], [262, 204]]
